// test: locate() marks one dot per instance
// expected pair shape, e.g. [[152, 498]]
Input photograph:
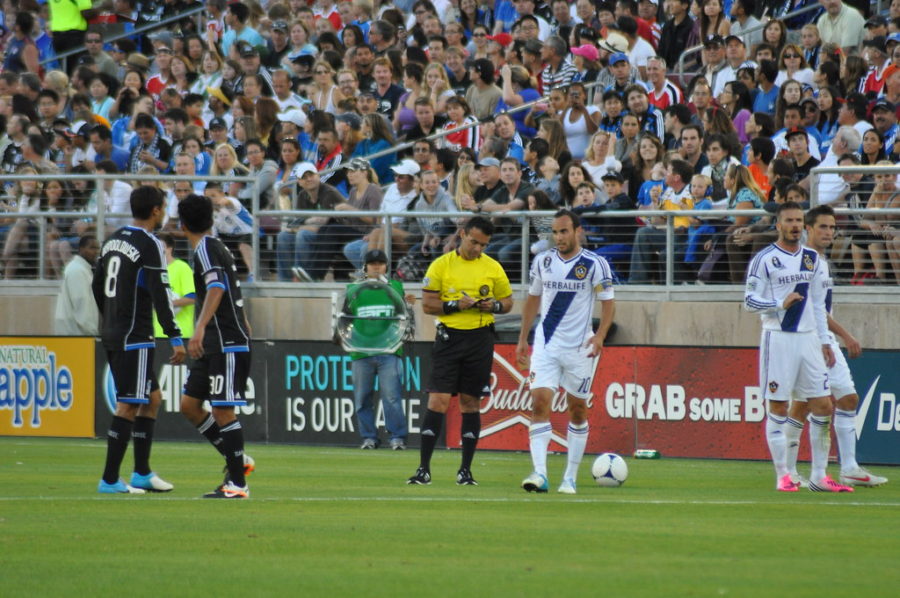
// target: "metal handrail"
[[762, 25], [443, 133], [135, 31]]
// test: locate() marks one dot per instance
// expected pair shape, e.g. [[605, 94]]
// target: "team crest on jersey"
[[773, 386], [807, 262], [777, 263], [484, 290], [580, 271]]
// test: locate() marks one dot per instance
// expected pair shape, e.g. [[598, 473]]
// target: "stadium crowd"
[[309, 98]]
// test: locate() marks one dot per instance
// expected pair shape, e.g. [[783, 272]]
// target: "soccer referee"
[[464, 288]]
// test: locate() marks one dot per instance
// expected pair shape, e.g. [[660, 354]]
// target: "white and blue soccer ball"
[[609, 470]]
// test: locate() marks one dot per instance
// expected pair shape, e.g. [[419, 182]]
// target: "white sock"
[[577, 437], [539, 435], [820, 445], [845, 430], [777, 443], [792, 432]]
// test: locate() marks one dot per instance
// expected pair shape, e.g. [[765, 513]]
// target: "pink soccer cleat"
[[786, 484], [826, 484]]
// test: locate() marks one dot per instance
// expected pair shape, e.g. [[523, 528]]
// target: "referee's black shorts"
[[462, 363]]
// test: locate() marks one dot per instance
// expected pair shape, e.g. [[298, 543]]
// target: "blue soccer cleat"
[[535, 483], [119, 487], [150, 482]]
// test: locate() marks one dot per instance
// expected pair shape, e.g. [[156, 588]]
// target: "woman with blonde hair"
[[743, 194], [26, 199], [599, 158], [226, 163], [437, 86], [324, 93]]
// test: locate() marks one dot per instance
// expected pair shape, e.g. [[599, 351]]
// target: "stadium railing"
[[196, 11], [667, 269]]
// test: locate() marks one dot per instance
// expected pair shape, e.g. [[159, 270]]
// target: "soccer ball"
[[609, 470]]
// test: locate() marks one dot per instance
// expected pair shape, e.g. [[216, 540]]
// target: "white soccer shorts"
[[570, 369], [792, 364], [839, 376]]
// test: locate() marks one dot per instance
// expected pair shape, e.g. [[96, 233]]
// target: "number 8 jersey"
[[130, 281]]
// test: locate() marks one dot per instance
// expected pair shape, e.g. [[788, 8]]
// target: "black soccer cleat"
[[422, 477], [229, 490], [464, 478]]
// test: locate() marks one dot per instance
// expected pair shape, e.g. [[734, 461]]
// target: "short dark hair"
[[769, 70], [166, 238], [683, 170], [144, 121], [539, 146], [102, 132], [479, 222], [576, 220], [143, 200], [38, 143], [764, 148], [749, 6], [813, 214], [788, 205], [49, 93], [196, 213], [85, 241], [177, 114], [107, 166], [240, 10], [765, 122], [680, 112]]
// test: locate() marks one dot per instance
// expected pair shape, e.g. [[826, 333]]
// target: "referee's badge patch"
[[484, 290], [580, 271], [773, 386], [426, 281]]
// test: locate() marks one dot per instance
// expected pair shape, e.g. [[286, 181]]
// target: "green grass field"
[[341, 522]]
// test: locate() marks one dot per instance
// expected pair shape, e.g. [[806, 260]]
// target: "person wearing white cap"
[[396, 200], [293, 246]]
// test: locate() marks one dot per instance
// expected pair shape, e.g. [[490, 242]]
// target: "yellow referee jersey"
[[482, 278]]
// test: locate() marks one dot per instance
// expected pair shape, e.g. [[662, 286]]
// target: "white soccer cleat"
[[567, 487], [150, 482], [799, 480], [535, 482], [861, 477]]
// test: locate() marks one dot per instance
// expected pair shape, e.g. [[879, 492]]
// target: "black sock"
[[116, 443], [233, 445], [210, 430], [469, 430], [431, 430], [143, 439]]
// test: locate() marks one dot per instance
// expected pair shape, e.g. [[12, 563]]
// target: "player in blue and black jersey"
[[220, 347], [131, 280]]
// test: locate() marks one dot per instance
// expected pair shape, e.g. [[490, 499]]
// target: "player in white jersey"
[[786, 285], [565, 282], [820, 227]]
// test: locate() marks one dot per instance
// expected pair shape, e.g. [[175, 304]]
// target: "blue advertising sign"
[[877, 379]]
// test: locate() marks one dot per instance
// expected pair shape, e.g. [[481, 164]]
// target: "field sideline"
[[341, 522]]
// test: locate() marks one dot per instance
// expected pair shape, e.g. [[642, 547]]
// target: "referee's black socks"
[[143, 440], [116, 443], [431, 430], [210, 430], [469, 431]]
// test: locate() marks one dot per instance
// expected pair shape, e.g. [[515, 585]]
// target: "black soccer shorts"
[[133, 375], [220, 378], [462, 363]]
